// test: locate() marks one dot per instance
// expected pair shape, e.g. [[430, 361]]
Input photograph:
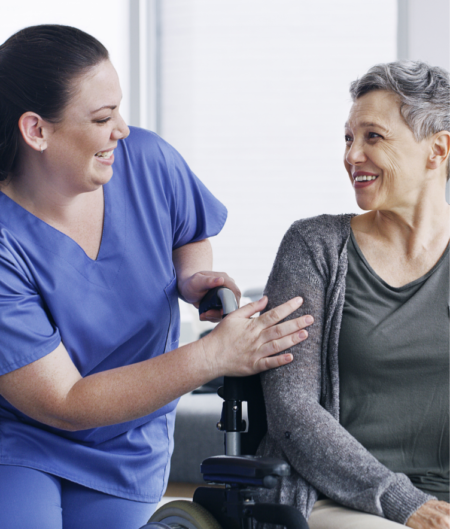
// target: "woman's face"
[[386, 165], [80, 148]]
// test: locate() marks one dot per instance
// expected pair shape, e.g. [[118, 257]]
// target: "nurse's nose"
[[121, 130]]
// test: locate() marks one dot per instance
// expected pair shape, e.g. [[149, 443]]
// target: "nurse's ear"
[[35, 130]]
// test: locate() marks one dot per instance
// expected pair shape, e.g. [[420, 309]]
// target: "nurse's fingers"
[[270, 362], [267, 351], [201, 282], [228, 282], [247, 311], [214, 316], [273, 316], [286, 328]]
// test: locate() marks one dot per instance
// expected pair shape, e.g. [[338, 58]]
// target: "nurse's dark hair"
[[38, 67], [423, 92]]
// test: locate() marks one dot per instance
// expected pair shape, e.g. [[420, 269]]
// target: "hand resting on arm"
[[52, 391]]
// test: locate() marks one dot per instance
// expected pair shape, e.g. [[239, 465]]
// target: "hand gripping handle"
[[218, 298]]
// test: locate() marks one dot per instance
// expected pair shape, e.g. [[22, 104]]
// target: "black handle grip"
[[210, 301], [218, 298]]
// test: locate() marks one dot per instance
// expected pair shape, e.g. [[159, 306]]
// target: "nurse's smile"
[[106, 157]]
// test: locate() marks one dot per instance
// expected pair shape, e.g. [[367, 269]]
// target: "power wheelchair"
[[235, 505]]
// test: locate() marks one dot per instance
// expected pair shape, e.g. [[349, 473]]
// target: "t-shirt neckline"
[[387, 285]]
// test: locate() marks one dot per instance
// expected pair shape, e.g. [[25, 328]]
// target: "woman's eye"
[[373, 135], [347, 138], [103, 120]]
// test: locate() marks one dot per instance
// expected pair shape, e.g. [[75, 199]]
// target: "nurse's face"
[[80, 150]]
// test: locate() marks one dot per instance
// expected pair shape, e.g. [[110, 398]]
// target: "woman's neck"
[[412, 227], [403, 244]]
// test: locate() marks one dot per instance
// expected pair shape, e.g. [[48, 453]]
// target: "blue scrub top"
[[120, 309]]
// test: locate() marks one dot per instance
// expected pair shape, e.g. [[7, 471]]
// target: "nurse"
[[91, 268]]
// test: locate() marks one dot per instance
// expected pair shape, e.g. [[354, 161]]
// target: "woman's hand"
[[432, 515], [241, 345], [193, 288]]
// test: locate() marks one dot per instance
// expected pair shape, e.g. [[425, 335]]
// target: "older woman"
[[91, 268], [362, 412]]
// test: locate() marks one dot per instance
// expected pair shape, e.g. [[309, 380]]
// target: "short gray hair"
[[423, 90]]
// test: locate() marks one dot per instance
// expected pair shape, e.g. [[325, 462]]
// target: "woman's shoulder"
[[321, 230], [309, 253], [314, 245]]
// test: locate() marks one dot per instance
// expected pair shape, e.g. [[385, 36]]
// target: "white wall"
[[255, 96], [107, 20], [424, 34], [429, 31]]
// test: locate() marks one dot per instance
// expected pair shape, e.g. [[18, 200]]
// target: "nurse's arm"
[[52, 391], [193, 264]]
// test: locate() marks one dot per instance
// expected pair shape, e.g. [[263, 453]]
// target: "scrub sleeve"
[[120, 309]]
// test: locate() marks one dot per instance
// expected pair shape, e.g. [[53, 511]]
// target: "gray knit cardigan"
[[302, 398]]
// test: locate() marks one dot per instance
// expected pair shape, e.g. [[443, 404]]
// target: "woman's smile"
[[363, 179]]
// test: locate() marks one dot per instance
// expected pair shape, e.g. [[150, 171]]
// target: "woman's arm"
[[193, 264], [52, 391], [316, 445]]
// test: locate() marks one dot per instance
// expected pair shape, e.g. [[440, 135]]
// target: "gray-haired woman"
[[362, 412]]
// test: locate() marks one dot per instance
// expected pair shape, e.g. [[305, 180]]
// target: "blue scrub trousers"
[[30, 499]]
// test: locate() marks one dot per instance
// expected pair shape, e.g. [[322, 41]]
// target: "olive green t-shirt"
[[394, 370]]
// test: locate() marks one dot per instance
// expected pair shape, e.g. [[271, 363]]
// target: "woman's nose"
[[355, 154]]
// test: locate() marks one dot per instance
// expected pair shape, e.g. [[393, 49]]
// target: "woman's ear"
[[34, 131], [440, 150]]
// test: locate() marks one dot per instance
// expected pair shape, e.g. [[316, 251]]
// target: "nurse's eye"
[[348, 139], [102, 120]]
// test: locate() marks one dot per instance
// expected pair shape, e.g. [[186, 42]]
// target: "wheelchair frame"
[[235, 506]]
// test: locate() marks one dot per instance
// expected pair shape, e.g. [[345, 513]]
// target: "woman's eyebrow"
[[372, 124], [368, 124], [112, 107]]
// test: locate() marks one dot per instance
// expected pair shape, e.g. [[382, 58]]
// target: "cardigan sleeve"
[[320, 450]]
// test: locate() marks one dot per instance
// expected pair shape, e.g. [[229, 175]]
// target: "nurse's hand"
[[51, 389], [432, 515], [194, 288], [193, 264], [241, 345]]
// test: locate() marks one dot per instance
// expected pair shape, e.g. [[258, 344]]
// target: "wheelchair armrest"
[[250, 467]]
